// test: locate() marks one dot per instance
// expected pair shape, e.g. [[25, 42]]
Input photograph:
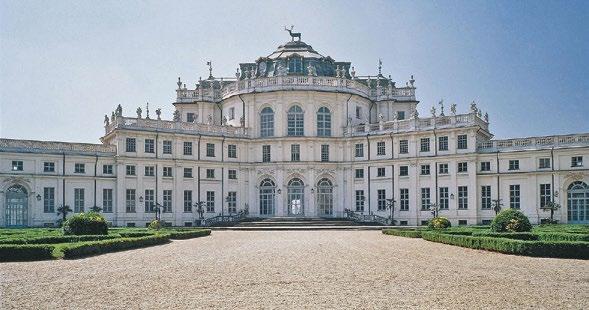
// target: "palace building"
[[299, 134]]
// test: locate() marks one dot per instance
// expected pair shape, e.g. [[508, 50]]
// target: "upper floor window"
[[443, 168], [323, 122], [188, 172], [544, 163], [231, 113], [359, 173], [187, 148], [358, 112], [424, 145], [359, 150], [295, 121], [577, 161], [190, 117], [130, 169], [380, 148], [48, 166], [403, 171], [79, 168], [295, 152], [403, 146], [17, 165], [266, 153], [324, 152], [232, 151], [210, 173], [442, 143], [485, 166], [210, 150], [514, 164], [149, 171], [380, 172], [267, 122], [400, 115], [232, 174], [149, 145], [295, 65], [425, 170], [106, 169], [167, 171], [462, 142], [130, 145], [463, 167], [167, 147]]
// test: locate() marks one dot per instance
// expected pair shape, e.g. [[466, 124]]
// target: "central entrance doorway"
[[295, 196], [17, 204]]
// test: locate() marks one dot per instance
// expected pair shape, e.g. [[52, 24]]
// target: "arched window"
[[267, 122], [323, 122], [578, 203], [325, 197], [267, 197], [296, 123], [17, 205], [295, 196]]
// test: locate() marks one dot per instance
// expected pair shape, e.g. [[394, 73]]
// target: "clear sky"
[[64, 64]]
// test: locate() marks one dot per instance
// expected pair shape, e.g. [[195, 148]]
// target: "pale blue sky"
[[64, 64]]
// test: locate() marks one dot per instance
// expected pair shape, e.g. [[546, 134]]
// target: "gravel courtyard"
[[297, 269]]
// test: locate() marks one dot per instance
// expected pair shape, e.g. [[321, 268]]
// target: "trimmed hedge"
[[56, 239], [409, 233], [512, 246], [189, 234], [105, 246], [555, 236], [90, 223], [25, 252], [135, 234], [515, 235], [511, 220]]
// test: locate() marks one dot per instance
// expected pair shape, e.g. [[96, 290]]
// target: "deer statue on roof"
[[293, 35]]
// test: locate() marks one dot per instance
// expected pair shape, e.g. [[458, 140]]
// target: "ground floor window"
[[107, 200], [210, 201], [232, 202], [360, 201], [295, 194], [404, 199], [267, 197], [325, 197], [187, 201], [578, 203], [381, 195], [78, 200]]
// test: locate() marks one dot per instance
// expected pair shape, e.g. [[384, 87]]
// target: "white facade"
[[233, 144]]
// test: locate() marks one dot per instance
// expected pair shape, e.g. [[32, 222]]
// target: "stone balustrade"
[[36, 146], [418, 124], [319, 83], [174, 126], [533, 143]]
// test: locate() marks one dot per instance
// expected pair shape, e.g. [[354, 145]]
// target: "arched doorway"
[[295, 196], [17, 204], [578, 203], [325, 197], [267, 197]]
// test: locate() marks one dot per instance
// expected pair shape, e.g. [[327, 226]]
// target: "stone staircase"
[[300, 222]]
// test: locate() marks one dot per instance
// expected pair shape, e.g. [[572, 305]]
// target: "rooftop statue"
[[293, 35]]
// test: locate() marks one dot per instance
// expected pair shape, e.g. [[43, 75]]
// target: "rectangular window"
[[232, 151], [187, 148], [443, 169], [210, 173], [463, 167], [190, 117], [545, 194], [444, 202], [403, 171], [78, 200], [462, 142], [17, 165], [462, 197], [231, 113], [380, 171], [130, 169], [149, 200], [295, 152], [404, 146], [400, 115], [358, 112], [514, 164], [210, 150], [49, 199], [130, 201], [380, 148], [544, 163], [462, 222], [324, 152], [232, 202], [425, 170], [210, 201], [359, 150], [48, 167], [107, 200], [167, 147], [404, 199], [167, 172], [360, 200], [486, 197], [232, 174], [424, 145], [130, 145], [106, 169], [577, 161], [149, 171], [149, 146], [187, 201], [425, 198], [79, 168], [485, 166], [266, 153], [359, 173], [167, 201], [442, 143], [514, 196], [381, 196], [188, 173]]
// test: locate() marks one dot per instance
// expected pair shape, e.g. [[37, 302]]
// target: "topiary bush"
[[90, 223], [439, 223], [511, 220]]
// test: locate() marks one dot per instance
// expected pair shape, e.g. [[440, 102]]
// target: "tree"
[[434, 208], [64, 210], [390, 204], [552, 206], [199, 207], [96, 209], [497, 204]]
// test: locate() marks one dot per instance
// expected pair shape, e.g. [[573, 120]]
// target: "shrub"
[[408, 233], [135, 234], [98, 247], [508, 235], [24, 252], [90, 223], [55, 239], [155, 225], [511, 220], [189, 234], [439, 223]]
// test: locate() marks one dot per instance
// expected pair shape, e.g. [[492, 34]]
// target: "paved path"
[[297, 269]]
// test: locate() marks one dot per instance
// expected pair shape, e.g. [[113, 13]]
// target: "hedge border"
[[84, 249], [57, 239], [25, 252], [189, 234], [408, 233]]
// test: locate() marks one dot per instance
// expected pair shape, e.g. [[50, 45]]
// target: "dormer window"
[[358, 112], [295, 65]]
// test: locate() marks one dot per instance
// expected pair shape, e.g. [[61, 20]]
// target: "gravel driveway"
[[297, 269]]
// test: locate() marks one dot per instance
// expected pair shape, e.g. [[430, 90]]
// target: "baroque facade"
[[296, 134]]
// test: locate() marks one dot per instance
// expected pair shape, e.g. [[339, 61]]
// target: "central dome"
[[291, 48]]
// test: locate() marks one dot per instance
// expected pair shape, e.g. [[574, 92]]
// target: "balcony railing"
[[533, 143], [174, 126], [320, 83], [33, 145]]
